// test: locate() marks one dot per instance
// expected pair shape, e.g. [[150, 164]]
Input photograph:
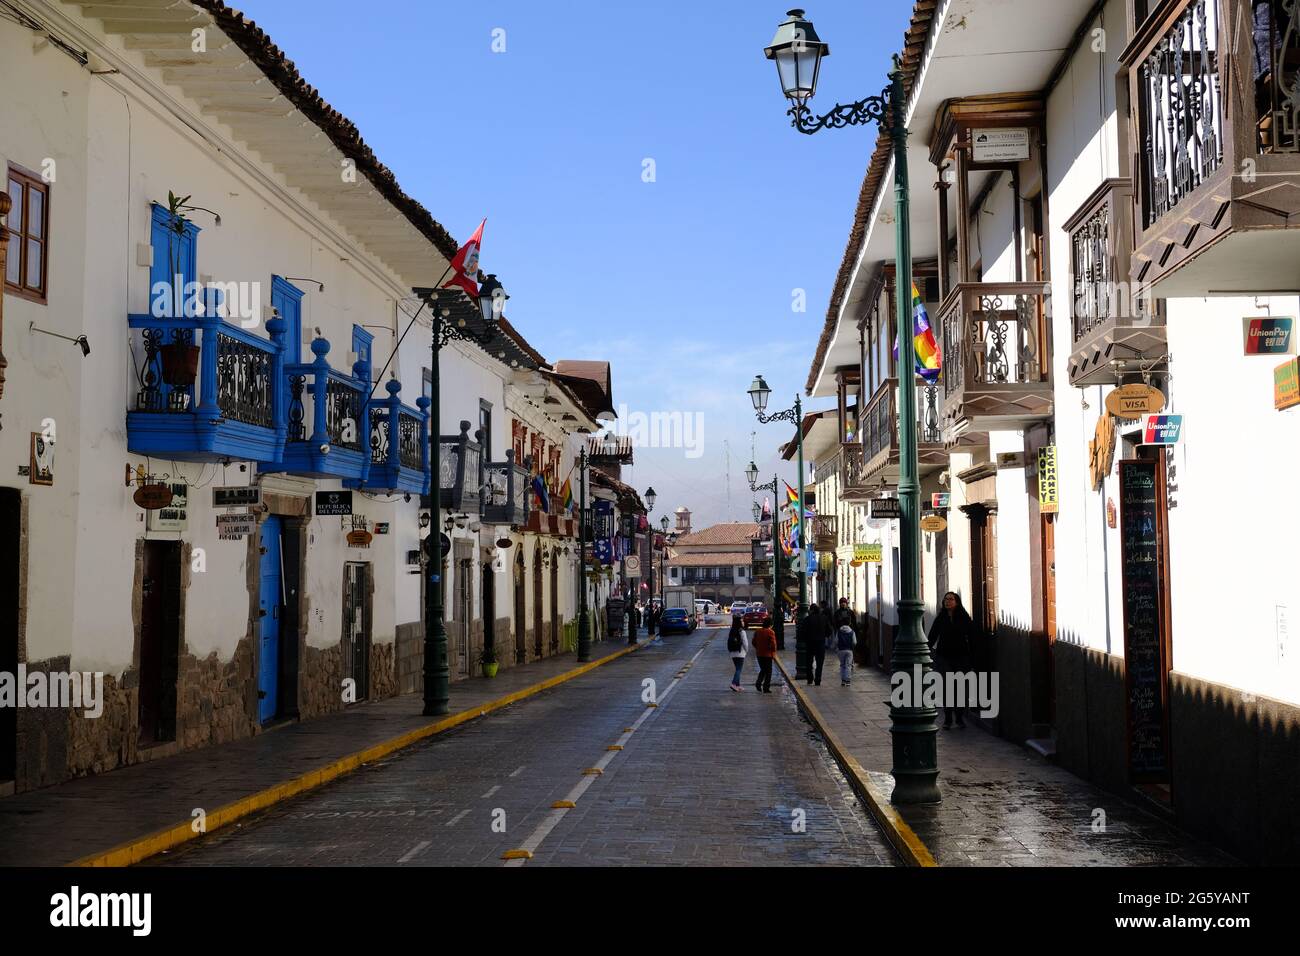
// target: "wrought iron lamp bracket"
[[790, 415], [873, 109]]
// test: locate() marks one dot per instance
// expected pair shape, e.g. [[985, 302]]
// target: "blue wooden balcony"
[[205, 390], [210, 391], [398, 458], [327, 420]]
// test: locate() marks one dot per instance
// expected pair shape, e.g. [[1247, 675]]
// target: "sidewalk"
[[142, 809], [1003, 805]]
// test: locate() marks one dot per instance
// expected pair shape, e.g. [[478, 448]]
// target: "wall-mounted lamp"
[[425, 519], [297, 279], [79, 340]]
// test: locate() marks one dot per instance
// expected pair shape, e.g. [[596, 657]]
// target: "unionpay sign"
[[1161, 429]]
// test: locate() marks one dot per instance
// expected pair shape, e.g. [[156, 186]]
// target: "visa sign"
[[1161, 429]]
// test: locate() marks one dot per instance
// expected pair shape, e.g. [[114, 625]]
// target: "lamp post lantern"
[[797, 51], [442, 304]]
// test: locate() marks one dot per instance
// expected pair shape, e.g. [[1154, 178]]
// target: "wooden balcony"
[[1113, 327], [996, 348], [1215, 125], [878, 429], [825, 532]]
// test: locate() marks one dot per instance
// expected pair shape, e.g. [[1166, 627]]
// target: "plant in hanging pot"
[[488, 661], [180, 357]]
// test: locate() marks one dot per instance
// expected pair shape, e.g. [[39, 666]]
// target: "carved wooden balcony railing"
[[854, 482], [996, 348], [879, 431], [825, 532], [507, 492], [1114, 326], [1215, 126]]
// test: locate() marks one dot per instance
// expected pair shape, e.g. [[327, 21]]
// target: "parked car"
[[677, 619], [740, 607], [754, 615]]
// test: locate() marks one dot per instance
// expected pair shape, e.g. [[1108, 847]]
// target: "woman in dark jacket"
[[950, 647]]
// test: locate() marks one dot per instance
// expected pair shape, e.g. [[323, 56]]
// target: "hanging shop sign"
[[1110, 513], [632, 566], [1265, 335], [333, 502], [173, 515], [244, 496], [1101, 450], [153, 497], [1286, 384], [359, 539], [1134, 401], [381, 527], [1047, 489], [1161, 429], [236, 526], [1000, 145], [1011, 459], [940, 500], [933, 523], [886, 509], [867, 553]]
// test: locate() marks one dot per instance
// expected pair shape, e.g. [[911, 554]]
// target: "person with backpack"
[[765, 651], [845, 640], [738, 648]]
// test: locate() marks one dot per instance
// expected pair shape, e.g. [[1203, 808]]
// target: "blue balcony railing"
[[208, 390], [398, 459], [205, 390]]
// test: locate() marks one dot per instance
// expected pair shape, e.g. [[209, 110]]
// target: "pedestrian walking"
[[765, 651], [950, 647], [738, 648], [845, 640], [816, 630], [632, 614]]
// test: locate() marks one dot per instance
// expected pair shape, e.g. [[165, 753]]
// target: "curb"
[[141, 848], [908, 845]]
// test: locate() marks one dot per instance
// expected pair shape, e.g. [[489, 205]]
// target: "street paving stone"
[[711, 777], [1003, 805], [56, 825]]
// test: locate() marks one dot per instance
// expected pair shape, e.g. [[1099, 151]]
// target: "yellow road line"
[[909, 846], [141, 848]]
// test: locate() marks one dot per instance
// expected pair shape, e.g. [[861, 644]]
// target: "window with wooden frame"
[[27, 266]]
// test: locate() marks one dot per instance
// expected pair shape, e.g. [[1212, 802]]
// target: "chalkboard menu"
[[1143, 633]]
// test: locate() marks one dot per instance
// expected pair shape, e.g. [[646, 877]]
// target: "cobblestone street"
[[708, 777]]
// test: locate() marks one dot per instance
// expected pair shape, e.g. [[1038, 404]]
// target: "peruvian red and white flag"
[[465, 264]]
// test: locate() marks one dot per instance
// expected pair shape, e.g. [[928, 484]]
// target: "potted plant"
[[488, 661], [180, 359]]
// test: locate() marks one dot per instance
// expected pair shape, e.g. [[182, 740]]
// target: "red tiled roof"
[[734, 532]]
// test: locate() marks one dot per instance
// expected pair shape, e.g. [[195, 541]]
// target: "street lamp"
[[757, 509], [650, 497], [451, 309], [798, 51], [584, 626], [759, 392], [778, 619]]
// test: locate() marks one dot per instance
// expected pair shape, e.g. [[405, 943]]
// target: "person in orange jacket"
[[764, 645]]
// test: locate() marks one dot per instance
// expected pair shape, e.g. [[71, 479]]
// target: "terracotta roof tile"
[[734, 532]]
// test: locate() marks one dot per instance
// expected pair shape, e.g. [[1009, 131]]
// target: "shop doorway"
[[271, 603], [537, 601], [357, 590], [462, 612], [160, 614], [11, 516], [488, 605], [521, 618], [555, 602]]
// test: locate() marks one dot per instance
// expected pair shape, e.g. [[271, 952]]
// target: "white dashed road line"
[[553, 819], [456, 819], [418, 848]]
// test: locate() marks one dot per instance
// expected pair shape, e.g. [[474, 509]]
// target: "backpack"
[[733, 643], [846, 638]]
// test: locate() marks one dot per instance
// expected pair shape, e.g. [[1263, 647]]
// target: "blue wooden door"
[[270, 607]]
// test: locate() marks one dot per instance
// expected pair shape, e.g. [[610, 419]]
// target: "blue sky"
[[685, 283]]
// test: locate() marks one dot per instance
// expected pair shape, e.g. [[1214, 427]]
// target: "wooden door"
[[538, 619], [270, 605], [463, 611], [520, 617], [555, 604], [356, 629], [160, 598], [10, 535]]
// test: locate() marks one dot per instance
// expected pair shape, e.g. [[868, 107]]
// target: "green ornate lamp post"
[[759, 393], [450, 321], [650, 497], [797, 52], [778, 619]]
